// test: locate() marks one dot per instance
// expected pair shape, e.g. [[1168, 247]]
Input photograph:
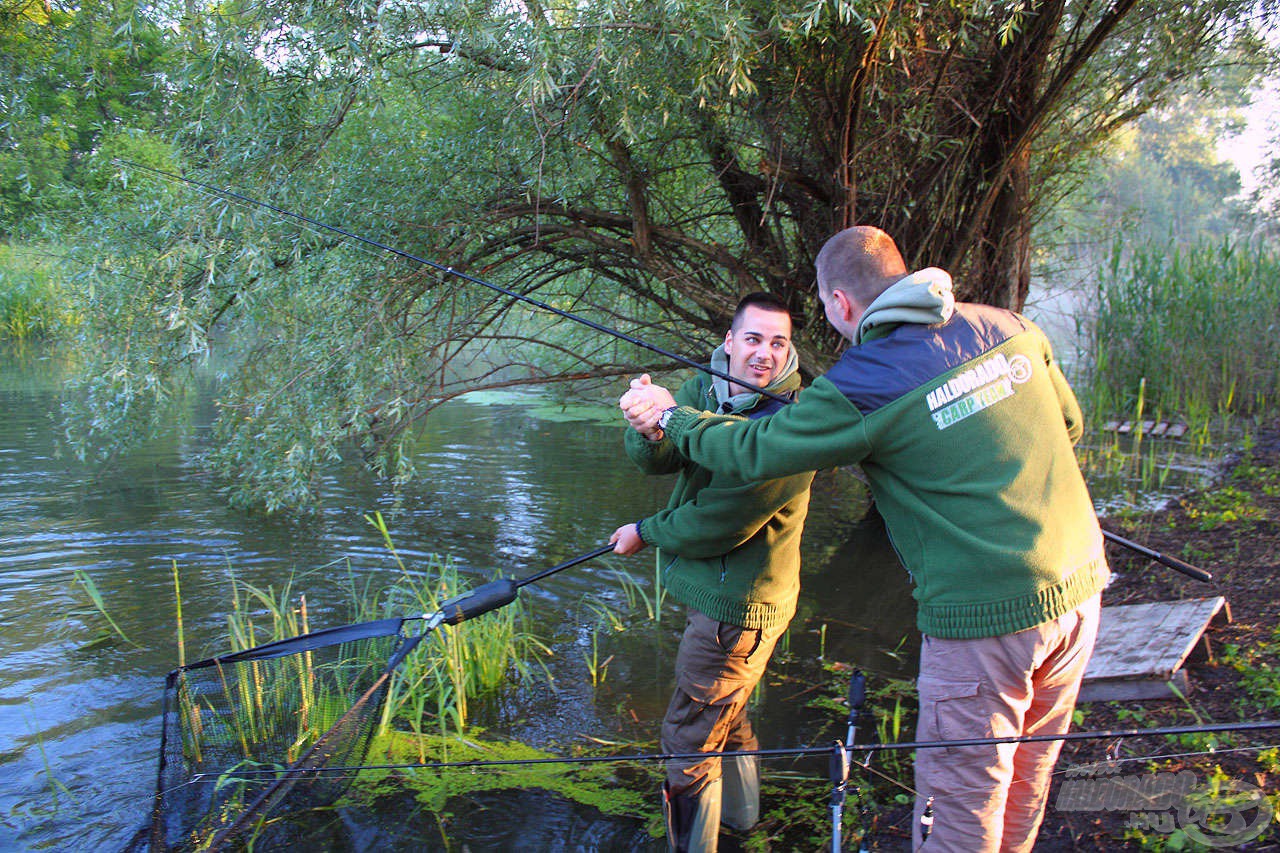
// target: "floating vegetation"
[[624, 789], [543, 407]]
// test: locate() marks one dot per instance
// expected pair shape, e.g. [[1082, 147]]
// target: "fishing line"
[[448, 270], [809, 751]]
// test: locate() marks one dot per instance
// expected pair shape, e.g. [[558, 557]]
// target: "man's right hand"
[[644, 404], [626, 540]]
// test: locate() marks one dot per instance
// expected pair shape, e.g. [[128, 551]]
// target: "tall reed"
[[1194, 330], [472, 659], [34, 302]]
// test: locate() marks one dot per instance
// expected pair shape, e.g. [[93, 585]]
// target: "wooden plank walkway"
[[1141, 648], [1157, 429]]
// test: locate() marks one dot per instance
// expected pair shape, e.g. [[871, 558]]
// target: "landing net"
[[245, 734]]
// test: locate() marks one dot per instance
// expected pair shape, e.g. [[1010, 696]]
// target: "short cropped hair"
[[762, 300], [861, 261]]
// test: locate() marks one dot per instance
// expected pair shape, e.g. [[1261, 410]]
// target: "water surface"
[[500, 490]]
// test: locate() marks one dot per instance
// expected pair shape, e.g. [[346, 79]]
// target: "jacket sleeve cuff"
[[680, 420]]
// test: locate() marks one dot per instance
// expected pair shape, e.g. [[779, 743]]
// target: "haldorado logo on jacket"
[[986, 383]]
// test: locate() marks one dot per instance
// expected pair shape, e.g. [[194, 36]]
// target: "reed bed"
[[1188, 330], [471, 660], [1188, 336], [292, 700], [33, 299]]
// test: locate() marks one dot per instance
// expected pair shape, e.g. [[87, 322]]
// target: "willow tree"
[[641, 164]]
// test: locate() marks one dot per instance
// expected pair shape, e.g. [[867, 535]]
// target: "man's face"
[[758, 348]]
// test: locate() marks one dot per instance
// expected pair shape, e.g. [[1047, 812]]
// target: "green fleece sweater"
[[730, 548], [964, 426]]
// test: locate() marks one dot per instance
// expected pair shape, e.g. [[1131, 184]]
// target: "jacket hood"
[[924, 297], [787, 380]]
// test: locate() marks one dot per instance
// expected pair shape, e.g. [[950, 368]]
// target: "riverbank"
[[1232, 529]]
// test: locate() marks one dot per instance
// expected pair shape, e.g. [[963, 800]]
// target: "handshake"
[[643, 404]]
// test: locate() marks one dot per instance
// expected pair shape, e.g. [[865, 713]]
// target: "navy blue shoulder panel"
[[768, 405], [876, 373]]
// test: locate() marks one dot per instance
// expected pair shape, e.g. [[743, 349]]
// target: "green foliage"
[[1219, 507], [35, 301], [1194, 327], [598, 785], [1160, 179], [74, 74], [638, 164], [1259, 676]]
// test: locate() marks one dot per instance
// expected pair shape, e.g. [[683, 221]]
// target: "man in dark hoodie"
[[964, 426], [730, 551]]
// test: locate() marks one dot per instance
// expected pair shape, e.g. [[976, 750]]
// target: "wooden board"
[[1166, 429], [1141, 648]]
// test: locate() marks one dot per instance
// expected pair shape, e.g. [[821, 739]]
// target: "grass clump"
[[34, 303], [1194, 330], [471, 660]]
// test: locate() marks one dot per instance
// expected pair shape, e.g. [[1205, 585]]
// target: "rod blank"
[[1164, 559]]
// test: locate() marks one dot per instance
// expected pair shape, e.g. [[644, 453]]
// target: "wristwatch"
[[665, 417]]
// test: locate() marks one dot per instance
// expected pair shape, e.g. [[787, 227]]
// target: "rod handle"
[[482, 599]]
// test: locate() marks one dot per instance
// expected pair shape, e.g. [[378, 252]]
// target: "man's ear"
[[844, 305], [728, 341]]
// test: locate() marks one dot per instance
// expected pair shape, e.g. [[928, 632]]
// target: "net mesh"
[[245, 735]]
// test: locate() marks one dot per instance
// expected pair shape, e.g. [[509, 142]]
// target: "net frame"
[[241, 731]]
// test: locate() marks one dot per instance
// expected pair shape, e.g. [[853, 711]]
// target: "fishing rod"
[[804, 751], [1164, 559], [448, 270], [1171, 562], [842, 758], [838, 767]]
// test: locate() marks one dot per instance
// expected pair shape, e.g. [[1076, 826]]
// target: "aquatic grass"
[[472, 659], [1188, 327], [606, 619], [1185, 335], [265, 696], [652, 599], [99, 604], [293, 699], [1141, 469], [596, 668], [34, 302], [56, 787]]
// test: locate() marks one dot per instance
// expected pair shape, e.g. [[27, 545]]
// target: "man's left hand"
[[644, 404]]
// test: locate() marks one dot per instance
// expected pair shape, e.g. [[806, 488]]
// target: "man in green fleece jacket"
[[964, 426], [730, 551]]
